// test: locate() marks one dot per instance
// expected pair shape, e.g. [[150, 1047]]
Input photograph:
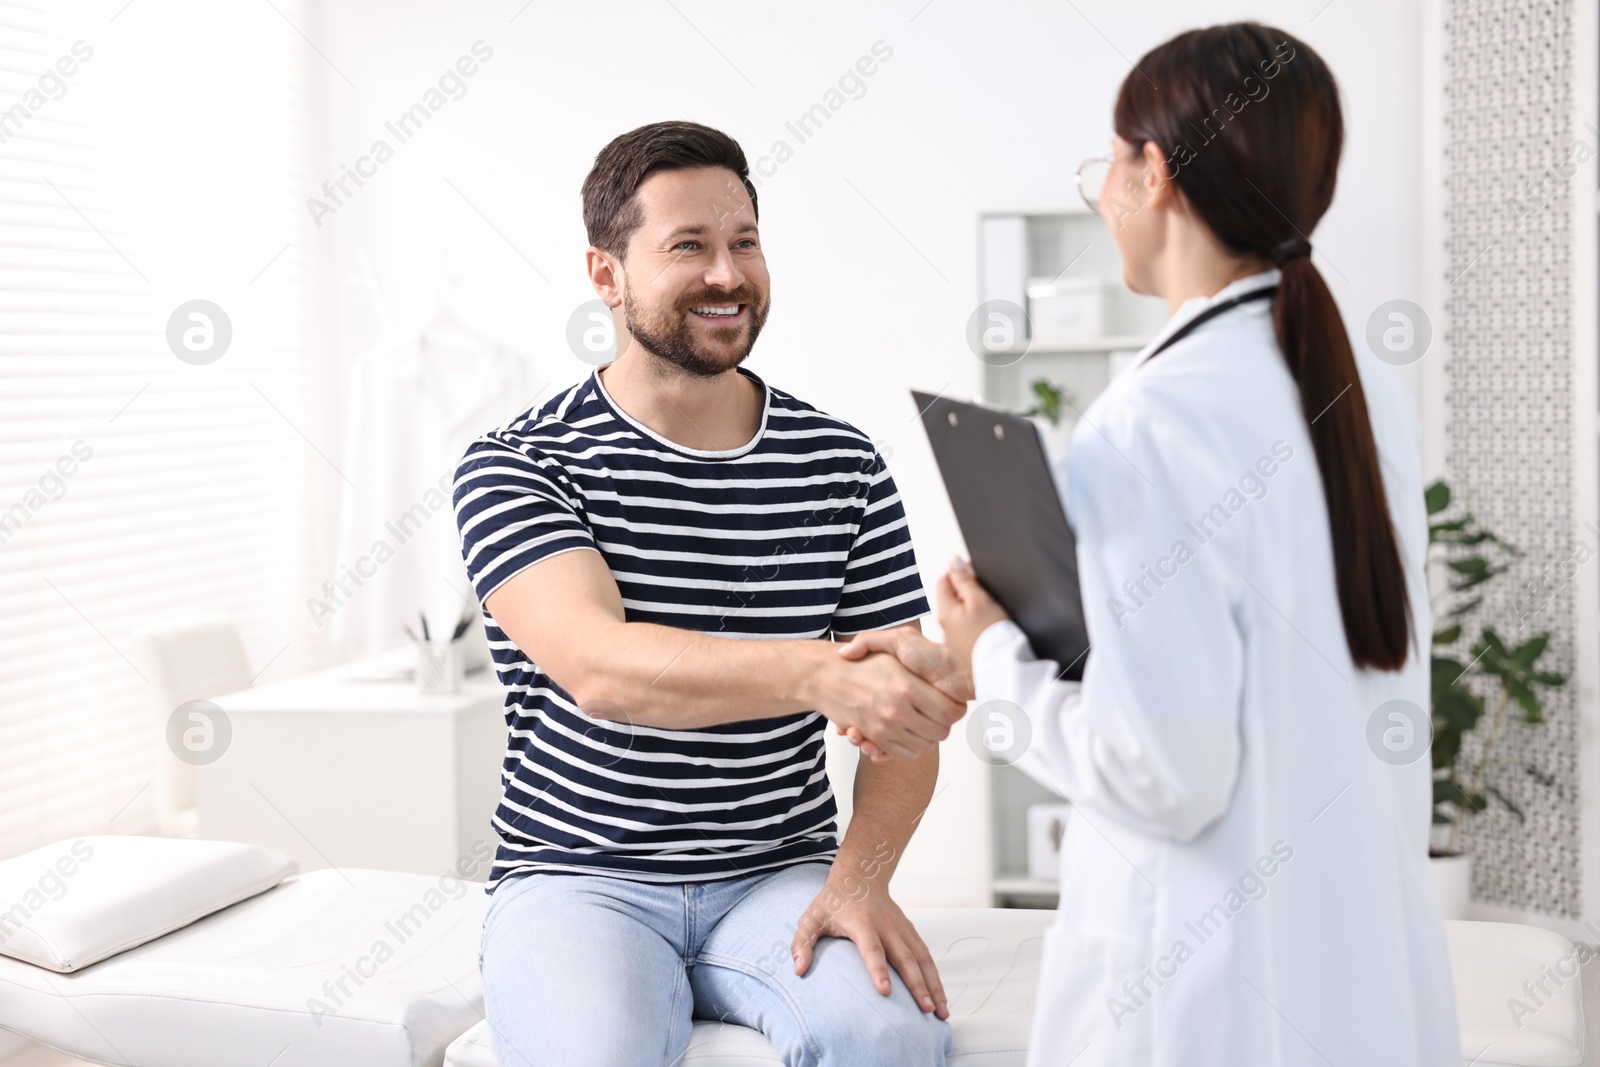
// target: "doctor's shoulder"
[[1143, 432], [1229, 381]]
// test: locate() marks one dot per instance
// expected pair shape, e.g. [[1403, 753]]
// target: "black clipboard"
[[998, 479]]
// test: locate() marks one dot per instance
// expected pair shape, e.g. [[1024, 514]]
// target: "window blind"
[[149, 156]]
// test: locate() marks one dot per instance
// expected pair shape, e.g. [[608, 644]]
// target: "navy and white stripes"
[[796, 534]]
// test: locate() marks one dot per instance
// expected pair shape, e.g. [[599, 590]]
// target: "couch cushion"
[[77, 902], [988, 960], [330, 969]]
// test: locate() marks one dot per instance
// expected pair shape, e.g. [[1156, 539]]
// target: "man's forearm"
[[567, 615], [886, 805], [680, 679], [888, 802]]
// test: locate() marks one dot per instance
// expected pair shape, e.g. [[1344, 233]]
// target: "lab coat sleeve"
[[1151, 737]]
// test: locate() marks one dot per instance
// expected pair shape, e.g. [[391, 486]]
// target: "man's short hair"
[[610, 211]]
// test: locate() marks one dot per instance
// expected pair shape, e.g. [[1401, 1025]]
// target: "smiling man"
[[663, 552]]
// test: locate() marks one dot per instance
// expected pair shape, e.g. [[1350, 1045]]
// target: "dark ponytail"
[[1249, 120]]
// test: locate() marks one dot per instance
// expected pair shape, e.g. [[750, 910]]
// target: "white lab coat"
[[413, 408], [1237, 854]]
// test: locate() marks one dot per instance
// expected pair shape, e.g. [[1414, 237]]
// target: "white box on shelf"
[[1046, 825], [1066, 309]]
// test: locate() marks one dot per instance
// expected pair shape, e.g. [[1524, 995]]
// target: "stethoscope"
[[1208, 314]]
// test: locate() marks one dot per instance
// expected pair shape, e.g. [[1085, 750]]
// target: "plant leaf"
[[1050, 397], [1446, 669], [1530, 650], [1457, 711], [1436, 497], [1531, 711], [1446, 791]]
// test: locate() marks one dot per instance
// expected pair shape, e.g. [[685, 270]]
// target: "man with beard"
[[663, 551]]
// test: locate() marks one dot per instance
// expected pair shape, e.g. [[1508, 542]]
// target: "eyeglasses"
[[1092, 179]]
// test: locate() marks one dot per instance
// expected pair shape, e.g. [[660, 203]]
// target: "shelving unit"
[[1016, 248], [1089, 345], [1019, 248]]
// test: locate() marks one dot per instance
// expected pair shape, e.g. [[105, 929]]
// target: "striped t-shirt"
[[795, 534]]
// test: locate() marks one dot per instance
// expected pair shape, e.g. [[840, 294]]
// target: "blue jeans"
[[595, 971]]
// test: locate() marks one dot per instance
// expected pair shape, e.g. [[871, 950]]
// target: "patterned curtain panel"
[[1512, 156]]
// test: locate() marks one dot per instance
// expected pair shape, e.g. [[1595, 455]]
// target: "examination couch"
[[157, 952]]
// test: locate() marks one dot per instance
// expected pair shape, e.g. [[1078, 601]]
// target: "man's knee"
[[883, 1032], [851, 1023]]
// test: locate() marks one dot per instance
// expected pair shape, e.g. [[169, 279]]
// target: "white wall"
[[870, 229]]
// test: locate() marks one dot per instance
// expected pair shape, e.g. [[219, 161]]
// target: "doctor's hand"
[[965, 610]]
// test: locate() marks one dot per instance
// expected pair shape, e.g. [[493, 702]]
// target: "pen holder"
[[438, 667]]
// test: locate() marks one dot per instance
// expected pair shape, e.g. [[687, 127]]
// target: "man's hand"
[[928, 660], [877, 697], [965, 610], [860, 909]]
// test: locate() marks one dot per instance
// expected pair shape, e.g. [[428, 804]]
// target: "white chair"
[[1519, 997], [186, 659]]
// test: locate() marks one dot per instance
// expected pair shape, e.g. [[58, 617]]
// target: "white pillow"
[[79, 901]]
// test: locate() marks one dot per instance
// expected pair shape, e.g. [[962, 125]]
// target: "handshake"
[[895, 693]]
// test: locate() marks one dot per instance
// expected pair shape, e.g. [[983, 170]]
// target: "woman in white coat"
[[1244, 877]]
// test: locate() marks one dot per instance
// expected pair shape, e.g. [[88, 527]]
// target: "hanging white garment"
[[1244, 879], [414, 406]]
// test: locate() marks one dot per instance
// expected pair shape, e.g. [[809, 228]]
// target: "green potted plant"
[[1488, 676], [1049, 404]]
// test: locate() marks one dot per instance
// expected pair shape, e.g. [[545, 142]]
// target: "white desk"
[[352, 767]]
